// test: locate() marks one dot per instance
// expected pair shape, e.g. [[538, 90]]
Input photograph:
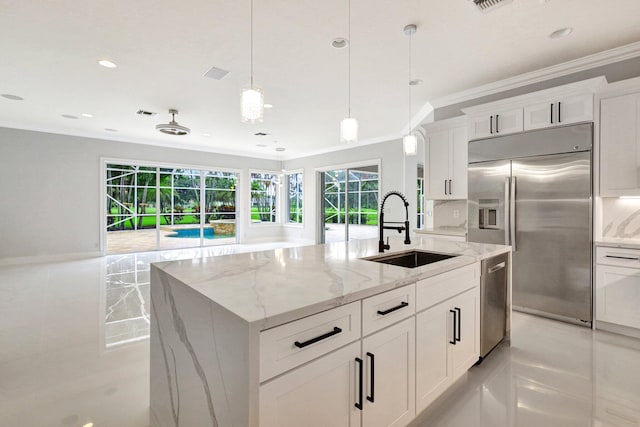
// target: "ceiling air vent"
[[488, 5], [260, 134], [145, 113], [216, 73]]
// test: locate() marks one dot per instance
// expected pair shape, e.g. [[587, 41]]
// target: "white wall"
[[397, 172], [51, 186]]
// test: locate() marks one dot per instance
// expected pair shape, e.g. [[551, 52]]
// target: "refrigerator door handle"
[[512, 213], [507, 204]]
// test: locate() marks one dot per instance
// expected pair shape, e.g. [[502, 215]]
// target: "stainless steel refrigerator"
[[533, 191]]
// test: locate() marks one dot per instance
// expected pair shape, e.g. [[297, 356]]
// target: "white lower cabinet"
[[390, 376], [320, 394], [447, 344], [395, 368], [618, 286]]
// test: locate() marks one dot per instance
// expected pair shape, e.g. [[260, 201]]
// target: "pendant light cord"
[[410, 37], [251, 44], [349, 72]]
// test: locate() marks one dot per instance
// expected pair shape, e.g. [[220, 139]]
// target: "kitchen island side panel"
[[201, 369]]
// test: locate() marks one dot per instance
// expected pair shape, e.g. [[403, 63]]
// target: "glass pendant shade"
[[410, 143], [349, 130], [252, 105]]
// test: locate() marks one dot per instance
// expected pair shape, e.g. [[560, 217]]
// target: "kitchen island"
[[290, 336]]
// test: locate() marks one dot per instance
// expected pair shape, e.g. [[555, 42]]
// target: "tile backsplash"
[[621, 218]]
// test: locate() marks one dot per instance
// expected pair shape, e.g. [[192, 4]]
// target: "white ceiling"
[[49, 52]]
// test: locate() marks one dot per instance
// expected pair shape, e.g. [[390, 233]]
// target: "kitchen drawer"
[[385, 309], [292, 344], [436, 289], [619, 257]]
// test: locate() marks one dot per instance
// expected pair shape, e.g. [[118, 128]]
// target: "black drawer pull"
[[403, 304], [459, 323], [454, 326], [335, 331], [360, 373], [373, 377], [623, 257]]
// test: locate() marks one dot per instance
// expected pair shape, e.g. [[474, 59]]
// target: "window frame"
[[277, 221], [286, 199]]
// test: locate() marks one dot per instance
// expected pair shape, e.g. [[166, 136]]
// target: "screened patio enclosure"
[[150, 208], [349, 204]]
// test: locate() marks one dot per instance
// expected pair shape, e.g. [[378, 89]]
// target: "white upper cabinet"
[[446, 159], [495, 123], [558, 106], [557, 112], [620, 146]]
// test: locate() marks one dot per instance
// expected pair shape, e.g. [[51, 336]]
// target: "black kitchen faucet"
[[381, 224]]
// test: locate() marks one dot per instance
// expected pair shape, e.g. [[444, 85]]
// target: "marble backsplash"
[[450, 215], [621, 218]]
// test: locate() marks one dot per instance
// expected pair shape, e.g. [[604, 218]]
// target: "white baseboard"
[[617, 329]]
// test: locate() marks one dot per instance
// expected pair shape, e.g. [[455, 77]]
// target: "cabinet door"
[[438, 164], [540, 116], [619, 146], [390, 376], [618, 295], [574, 109], [467, 349], [320, 394], [434, 330], [508, 121], [480, 126], [459, 154]]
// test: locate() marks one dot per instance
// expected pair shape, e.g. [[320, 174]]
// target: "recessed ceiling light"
[[111, 130], [88, 425], [280, 148], [12, 97], [107, 64], [206, 134], [261, 145], [87, 115], [562, 32], [69, 116], [339, 43], [415, 82], [268, 106]]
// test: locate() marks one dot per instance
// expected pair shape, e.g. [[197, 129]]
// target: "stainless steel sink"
[[410, 259]]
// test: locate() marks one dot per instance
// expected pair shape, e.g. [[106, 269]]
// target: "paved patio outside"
[[126, 241]]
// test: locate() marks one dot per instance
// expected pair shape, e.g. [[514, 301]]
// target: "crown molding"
[[565, 68]]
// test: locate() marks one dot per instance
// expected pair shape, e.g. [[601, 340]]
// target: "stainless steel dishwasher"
[[493, 302]]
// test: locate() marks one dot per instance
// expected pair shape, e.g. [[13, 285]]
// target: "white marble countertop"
[[273, 287], [612, 242]]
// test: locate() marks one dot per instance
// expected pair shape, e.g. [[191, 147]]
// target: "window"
[[264, 191], [294, 198], [150, 208]]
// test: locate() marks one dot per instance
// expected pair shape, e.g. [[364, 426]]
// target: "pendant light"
[[410, 141], [252, 97], [349, 125]]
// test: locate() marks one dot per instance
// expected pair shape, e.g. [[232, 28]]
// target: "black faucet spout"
[[381, 245]]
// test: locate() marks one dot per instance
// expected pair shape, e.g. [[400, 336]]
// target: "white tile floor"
[[73, 350]]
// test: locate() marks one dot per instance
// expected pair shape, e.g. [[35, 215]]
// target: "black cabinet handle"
[[454, 327], [450, 190], [459, 323], [373, 376], [335, 331], [491, 125], [551, 113], [403, 304], [559, 113], [497, 125], [360, 372], [445, 186]]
